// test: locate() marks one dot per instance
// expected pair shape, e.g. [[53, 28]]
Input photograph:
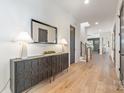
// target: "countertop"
[[38, 56]]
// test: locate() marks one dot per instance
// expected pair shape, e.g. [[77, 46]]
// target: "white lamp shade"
[[24, 36], [63, 41]]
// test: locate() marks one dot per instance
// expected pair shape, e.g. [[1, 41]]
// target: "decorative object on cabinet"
[[64, 43], [48, 52], [43, 33], [23, 38], [25, 73]]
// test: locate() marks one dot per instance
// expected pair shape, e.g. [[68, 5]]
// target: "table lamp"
[[64, 43], [24, 38]]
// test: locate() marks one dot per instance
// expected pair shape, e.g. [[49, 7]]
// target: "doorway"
[[96, 44], [114, 45], [122, 44], [72, 44], [81, 50]]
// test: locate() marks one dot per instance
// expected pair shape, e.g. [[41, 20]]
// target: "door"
[[122, 44], [72, 45], [81, 51], [114, 45]]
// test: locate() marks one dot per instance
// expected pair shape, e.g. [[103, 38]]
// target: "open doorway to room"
[[95, 44], [81, 50]]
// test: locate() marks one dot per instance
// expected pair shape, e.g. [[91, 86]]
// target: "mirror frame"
[[33, 20]]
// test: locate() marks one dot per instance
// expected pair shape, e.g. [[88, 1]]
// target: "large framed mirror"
[[43, 33]]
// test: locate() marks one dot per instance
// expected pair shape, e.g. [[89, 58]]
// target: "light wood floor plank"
[[97, 76]]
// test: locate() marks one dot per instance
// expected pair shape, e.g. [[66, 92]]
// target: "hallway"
[[97, 76]]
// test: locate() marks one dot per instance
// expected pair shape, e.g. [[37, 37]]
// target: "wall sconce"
[[64, 43], [24, 38]]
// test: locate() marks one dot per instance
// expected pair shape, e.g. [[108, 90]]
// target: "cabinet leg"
[[67, 69], [50, 80], [53, 78]]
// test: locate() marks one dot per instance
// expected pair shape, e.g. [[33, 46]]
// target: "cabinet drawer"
[[27, 82], [20, 84], [34, 79], [28, 67], [19, 67]]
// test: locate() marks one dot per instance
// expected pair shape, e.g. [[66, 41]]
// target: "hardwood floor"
[[97, 76]]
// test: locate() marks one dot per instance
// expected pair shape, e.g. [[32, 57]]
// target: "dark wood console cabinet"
[[25, 73]]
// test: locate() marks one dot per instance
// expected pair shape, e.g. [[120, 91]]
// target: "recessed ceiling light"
[[96, 23], [86, 1]]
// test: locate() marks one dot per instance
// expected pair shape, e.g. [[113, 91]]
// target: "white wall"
[[106, 38], [93, 35], [83, 35], [83, 31], [15, 17], [117, 46], [117, 22]]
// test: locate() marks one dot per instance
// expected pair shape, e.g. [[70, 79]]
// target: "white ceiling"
[[95, 11]]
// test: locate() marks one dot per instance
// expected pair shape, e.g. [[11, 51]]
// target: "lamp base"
[[63, 50], [23, 50]]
